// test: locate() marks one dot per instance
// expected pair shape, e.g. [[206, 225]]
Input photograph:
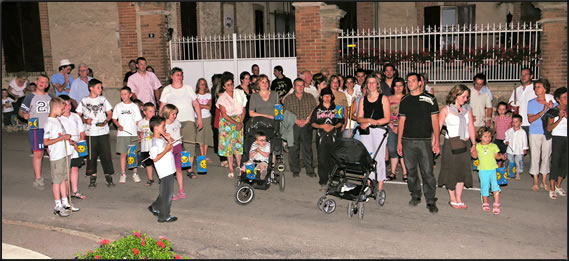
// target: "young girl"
[[502, 122], [204, 136], [487, 154], [173, 127]]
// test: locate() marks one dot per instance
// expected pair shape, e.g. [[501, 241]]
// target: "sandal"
[[391, 177], [191, 175], [461, 205], [230, 175], [454, 204], [535, 188], [552, 195], [485, 207], [546, 187], [78, 195], [181, 194], [496, 210], [149, 182], [405, 177]]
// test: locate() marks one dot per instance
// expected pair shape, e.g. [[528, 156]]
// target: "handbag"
[[457, 145]]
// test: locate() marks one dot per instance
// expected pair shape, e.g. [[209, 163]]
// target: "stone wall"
[[396, 15]]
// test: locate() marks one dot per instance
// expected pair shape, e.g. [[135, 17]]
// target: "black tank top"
[[373, 107]]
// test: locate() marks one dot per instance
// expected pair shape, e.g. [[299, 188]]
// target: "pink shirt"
[[502, 125], [232, 107], [144, 86]]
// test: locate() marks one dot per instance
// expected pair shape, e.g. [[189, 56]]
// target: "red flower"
[[143, 243], [90, 251], [137, 234], [161, 237], [135, 251], [104, 242], [178, 257], [161, 244], [97, 257]]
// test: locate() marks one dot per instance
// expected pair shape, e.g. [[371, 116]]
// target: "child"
[[60, 148], [145, 136], [487, 154], [204, 135], [517, 142], [7, 109], [36, 105], [260, 151], [140, 105], [173, 128], [161, 153], [501, 123], [95, 111], [74, 126], [126, 115]]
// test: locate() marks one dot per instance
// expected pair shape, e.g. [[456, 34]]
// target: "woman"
[[456, 172], [394, 100], [351, 95], [262, 104], [328, 132], [558, 128], [319, 81], [245, 79], [232, 104], [16, 90], [374, 112], [342, 83], [539, 145], [339, 97], [185, 99], [215, 87]]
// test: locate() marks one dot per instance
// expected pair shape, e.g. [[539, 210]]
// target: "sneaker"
[[295, 174], [552, 195], [109, 181], [169, 219], [38, 184], [323, 187], [135, 177], [414, 202], [92, 181], [122, 179], [433, 208], [560, 192], [60, 211], [72, 208]]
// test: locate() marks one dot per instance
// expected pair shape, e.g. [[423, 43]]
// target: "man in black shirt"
[[132, 66], [389, 73], [281, 84], [418, 138]]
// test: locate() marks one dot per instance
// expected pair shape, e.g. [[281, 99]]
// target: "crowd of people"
[[163, 121]]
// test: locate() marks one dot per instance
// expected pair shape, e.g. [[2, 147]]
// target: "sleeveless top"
[[452, 121], [373, 107]]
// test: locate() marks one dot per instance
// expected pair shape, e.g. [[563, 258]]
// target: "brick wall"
[[46, 38], [128, 37], [365, 15], [554, 44]]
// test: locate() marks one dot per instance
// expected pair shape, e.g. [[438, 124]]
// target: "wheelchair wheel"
[[282, 182], [381, 195], [320, 202], [329, 206], [361, 210], [244, 194]]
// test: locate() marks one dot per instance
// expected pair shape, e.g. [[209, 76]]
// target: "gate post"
[[317, 29]]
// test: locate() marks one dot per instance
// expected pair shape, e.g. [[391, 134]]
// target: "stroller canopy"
[[352, 151]]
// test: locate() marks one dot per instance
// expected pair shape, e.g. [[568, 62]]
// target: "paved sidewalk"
[[16, 252]]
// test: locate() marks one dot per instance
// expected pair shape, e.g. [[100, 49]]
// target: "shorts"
[[178, 156], [36, 139], [58, 170], [124, 141], [77, 162], [488, 180], [146, 155]]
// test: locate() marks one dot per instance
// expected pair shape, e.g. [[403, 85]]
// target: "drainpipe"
[[375, 15], [267, 10]]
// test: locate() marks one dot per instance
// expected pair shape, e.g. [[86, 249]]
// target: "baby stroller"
[[349, 178], [246, 182]]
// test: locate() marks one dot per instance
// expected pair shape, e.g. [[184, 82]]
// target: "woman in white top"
[[558, 128], [205, 135], [352, 95], [456, 172]]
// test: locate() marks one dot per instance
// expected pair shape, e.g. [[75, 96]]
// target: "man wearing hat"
[[62, 80]]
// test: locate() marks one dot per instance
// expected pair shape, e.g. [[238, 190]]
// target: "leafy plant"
[[135, 246]]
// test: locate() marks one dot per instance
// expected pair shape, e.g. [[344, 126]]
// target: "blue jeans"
[[392, 144], [518, 160], [487, 178]]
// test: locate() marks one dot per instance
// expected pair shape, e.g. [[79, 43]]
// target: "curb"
[[16, 252]]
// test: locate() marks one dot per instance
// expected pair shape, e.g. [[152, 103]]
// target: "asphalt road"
[[277, 224]]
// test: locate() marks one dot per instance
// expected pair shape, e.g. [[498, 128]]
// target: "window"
[[189, 19], [447, 17], [21, 37]]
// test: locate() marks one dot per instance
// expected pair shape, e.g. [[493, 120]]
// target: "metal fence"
[[221, 47], [445, 53]]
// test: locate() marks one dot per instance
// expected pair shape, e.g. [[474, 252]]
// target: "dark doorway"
[[349, 21], [432, 19], [21, 37], [189, 18], [259, 22]]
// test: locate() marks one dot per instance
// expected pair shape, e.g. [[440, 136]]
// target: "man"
[[80, 87], [301, 104], [481, 103], [361, 78], [145, 85], [521, 96], [306, 75], [255, 70], [281, 84], [418, 139], [132, 67], [325, 72], [62, 80], [389, 73]]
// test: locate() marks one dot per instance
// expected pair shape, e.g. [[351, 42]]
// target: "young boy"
[[7, 109], [60, 148], [517, 142], [126, 115], [95, 111], [260, 151], [36, 105], [161, 153], [74, 126], [145, 137]]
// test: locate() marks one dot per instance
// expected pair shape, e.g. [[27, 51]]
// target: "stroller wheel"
[[381, 195], [361, 210], [350, 209], [244, 195], [329, 206], [281, 166], [320, 202], [282, 182]]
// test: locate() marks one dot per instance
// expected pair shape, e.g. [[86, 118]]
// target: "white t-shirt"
[[166, 165], [17, 89], [52, 130], [96, 109], [517, 141], [9, 101], [127, 115], [523, 97], [182, 98], [144, 127], [175, 131], [258, 156], [561, 129], [74, 126], [203, 99]]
